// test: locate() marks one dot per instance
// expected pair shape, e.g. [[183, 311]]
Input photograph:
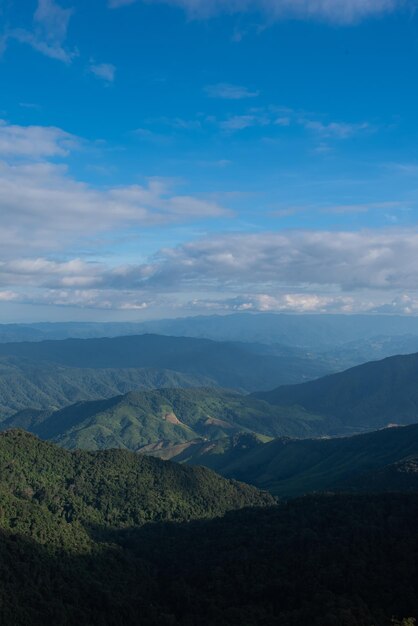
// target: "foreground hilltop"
[[114, 538], [57, 496]]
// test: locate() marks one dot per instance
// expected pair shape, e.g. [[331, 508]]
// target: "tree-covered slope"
[[294, 467], [56, 496], [26, 383], [401, 476], [368, 396], [165, 415], [322, 561]]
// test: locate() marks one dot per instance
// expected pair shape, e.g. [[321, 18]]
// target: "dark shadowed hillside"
[[368, 396], [322, 561], [294, 467]]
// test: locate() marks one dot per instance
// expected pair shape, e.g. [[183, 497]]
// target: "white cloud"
[[300, 271], [42, 205], [335, 11], [370, 259], [338, 130], [226, 91], [284, 303], [104, 71], [8, 296], [240, 122], [342, 209], [50, 25], [35, 141]]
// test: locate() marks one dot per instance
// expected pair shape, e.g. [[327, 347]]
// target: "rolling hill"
[[172, 416], [65, 495]]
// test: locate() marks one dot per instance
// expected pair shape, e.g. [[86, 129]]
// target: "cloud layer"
[[292, 271]]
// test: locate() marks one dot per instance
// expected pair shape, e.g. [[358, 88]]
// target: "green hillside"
[[368, 396], [25, 383], [55, 496], [295, 467], [166, 415]]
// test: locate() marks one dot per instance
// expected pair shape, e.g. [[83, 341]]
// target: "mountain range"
[[313, 331], [53, 374], [364, 398], [174, 416]]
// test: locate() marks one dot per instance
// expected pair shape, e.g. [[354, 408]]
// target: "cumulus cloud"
[[42, 205], [348, 261], [335, 11], [35, 141], [300, 271], [50, 25], [379, 259], [283, 303], [45, 211]]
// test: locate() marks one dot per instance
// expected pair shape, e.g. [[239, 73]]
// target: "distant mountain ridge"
[[53, 374], [46, 386], [317, 331]]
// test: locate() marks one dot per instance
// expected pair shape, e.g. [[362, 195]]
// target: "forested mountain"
[[223, 364], [322, 561], [164, 415], [27, 383], [367, 396], [60, 495], [230, 433], [376, 461]]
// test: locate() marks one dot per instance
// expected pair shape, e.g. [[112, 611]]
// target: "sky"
[[164, 158]]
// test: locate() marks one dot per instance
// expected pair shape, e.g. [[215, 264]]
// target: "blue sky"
[[186, 156]]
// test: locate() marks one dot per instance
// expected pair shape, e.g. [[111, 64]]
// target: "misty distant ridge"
[[315, 331]]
